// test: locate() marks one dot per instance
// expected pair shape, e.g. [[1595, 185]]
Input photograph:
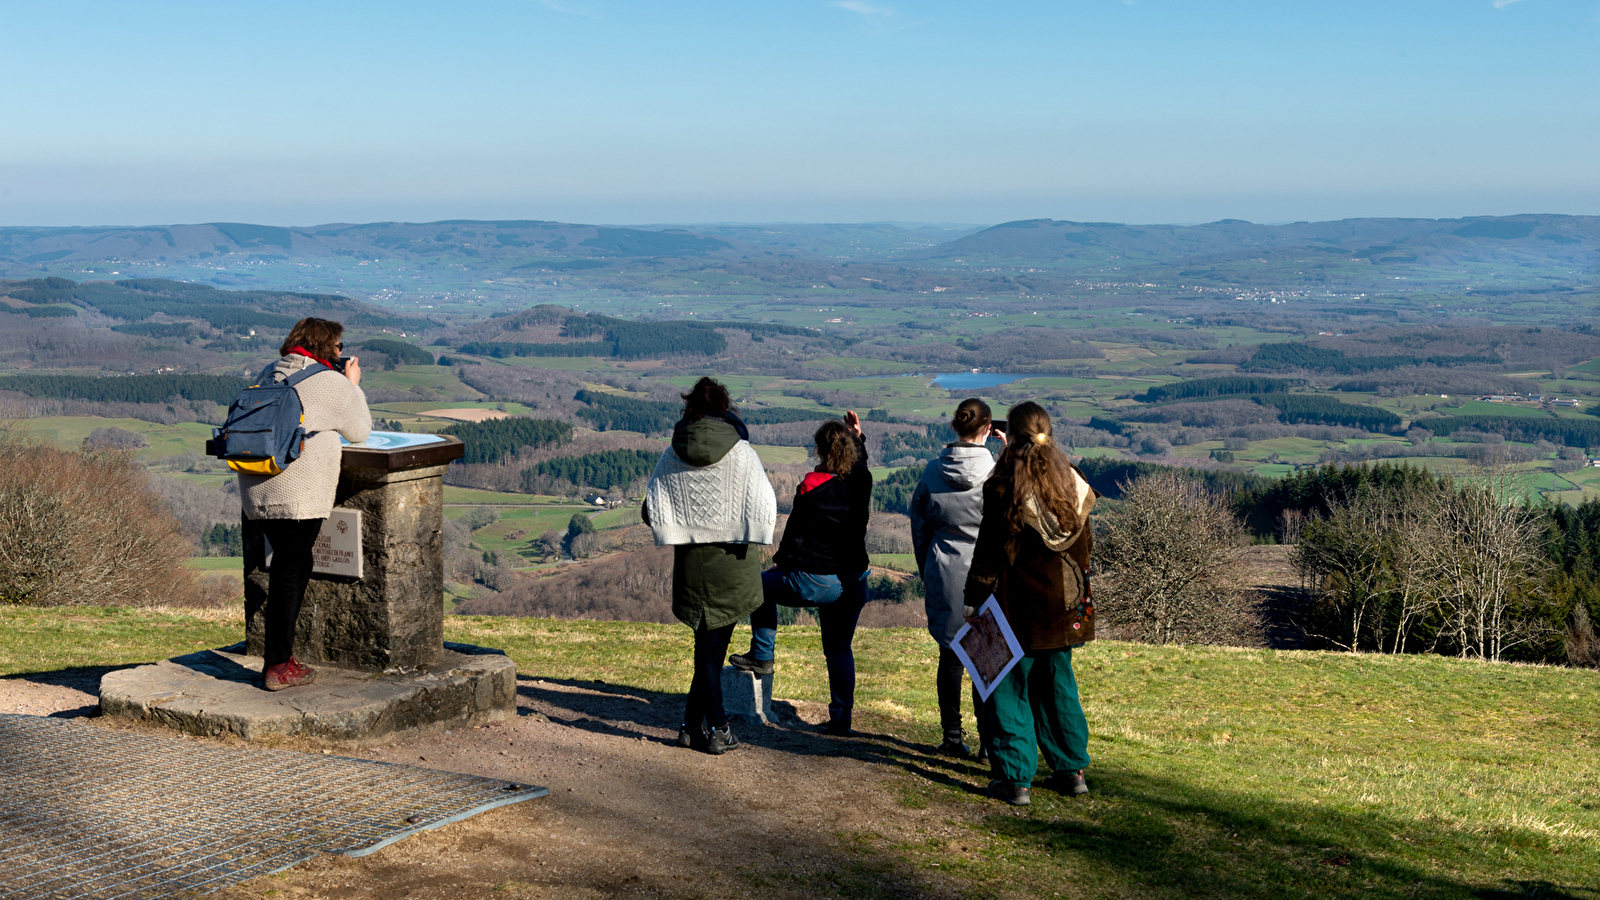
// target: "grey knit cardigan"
[[333, 407]]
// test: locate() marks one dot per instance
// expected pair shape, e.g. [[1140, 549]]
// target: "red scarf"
[[309, 355]]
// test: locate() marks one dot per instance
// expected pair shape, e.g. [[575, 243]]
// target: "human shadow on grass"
[[624, 711], [1169, 834]]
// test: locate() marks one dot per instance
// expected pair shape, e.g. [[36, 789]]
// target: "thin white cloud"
[[1502, 4], [863, 9], [570, 10]]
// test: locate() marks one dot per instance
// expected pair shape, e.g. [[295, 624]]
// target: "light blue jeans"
[[838, 602]]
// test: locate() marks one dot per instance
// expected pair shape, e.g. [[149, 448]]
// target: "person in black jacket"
[[822, 563]]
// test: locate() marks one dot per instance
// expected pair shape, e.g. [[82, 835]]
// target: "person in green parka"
[[709, 498], [1033, 556]]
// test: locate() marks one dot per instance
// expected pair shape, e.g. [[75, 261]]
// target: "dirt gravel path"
[[793, 813]]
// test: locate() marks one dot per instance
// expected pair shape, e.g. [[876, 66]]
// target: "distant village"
[[1557, 402]]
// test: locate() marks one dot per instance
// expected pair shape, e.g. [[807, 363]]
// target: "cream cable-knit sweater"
[[727, 502], [333, 406]]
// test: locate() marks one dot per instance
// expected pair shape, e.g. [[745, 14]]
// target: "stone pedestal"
[[393, 616], [218, 692], [747, 696], [376, 638]]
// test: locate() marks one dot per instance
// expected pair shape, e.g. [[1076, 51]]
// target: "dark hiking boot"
[[691, 738], [1016, 795], [982, 758], [954, 747], [721, 740], [1070, 784], [287, 675], [750, 664]]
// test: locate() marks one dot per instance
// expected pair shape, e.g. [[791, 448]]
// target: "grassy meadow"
[[1217, 772]]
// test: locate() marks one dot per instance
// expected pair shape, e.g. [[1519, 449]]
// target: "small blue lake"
[[969, 381]]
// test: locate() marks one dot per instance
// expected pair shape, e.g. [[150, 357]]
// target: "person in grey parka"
[[946, 509]]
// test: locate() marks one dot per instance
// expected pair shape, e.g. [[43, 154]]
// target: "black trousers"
[[947, 679], [292, 541], [705, 691]]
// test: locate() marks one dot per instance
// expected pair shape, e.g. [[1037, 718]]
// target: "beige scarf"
[[1080, 497]]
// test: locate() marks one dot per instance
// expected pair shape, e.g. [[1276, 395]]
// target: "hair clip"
[[1041, 438]]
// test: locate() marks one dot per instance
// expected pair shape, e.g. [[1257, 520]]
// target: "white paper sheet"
[[989, 651]]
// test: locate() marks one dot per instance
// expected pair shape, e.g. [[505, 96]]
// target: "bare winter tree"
[[1486, 557], [1445, 566], [82, 529], [1372, 565], [114, 439], [889, 533], [1171, 565]]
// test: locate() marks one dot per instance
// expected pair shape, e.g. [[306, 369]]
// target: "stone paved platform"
[[94, 813], [217, 692]]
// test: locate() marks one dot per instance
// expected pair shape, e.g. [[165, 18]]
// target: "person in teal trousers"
[[1033, 556]]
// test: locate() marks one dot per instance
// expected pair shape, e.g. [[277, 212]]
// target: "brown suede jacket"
[[1038, 575]]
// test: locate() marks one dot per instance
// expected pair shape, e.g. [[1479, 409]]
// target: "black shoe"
[[1010, 793], [953, 746], [837, 728], [690, 738], [751, 664], [721, 740], [982, 758], [1070, 784]]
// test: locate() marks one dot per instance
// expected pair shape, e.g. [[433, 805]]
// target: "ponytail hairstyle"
[[972, 419], [707, 398], [1034, 466], [836, 447]]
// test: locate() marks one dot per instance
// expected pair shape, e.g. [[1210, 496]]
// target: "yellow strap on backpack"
[[268, 466]]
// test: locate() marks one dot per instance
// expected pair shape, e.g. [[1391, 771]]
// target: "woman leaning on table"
[[945, 511], [289, 507], [709, 498], [1033, 556]]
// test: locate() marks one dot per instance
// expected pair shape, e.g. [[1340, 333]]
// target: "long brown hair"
[[836, 447], [1032, 464], [320, 336]]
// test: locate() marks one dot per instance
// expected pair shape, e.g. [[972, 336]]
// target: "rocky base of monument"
[[218, 692], [747, 697]]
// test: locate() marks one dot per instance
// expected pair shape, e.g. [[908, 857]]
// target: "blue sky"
[[796, 110]]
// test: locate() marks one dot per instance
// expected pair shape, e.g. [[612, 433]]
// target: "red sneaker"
[[288, 675]]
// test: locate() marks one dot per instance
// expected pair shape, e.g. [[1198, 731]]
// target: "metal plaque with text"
[[338, 547]]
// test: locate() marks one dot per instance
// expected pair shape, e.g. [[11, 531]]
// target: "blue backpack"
[[265, 429]]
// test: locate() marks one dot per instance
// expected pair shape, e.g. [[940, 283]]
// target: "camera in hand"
[[340, 363]]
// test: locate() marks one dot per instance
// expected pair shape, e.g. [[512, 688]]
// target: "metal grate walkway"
[[88, 813]]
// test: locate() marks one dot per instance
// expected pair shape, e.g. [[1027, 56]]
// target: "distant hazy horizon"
[[629, 112], [943, 226]]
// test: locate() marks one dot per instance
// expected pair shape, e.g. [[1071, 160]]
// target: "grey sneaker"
[[689, 738], [1069, 783], [1016, 795], [750, 664], [721, 740]]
